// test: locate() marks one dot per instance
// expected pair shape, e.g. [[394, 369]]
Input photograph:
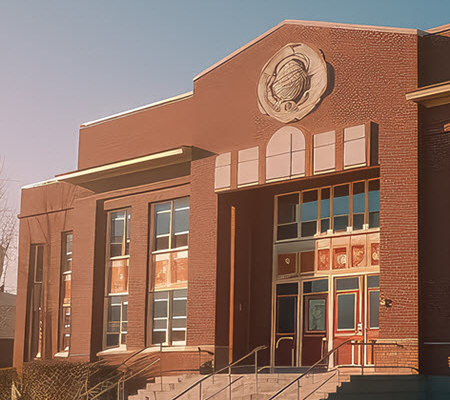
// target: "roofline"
[[42, 183], [438, 29], [170, 100], [336, 25], [432, 95]]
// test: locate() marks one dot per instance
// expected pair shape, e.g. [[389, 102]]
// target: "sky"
[[65, 62]]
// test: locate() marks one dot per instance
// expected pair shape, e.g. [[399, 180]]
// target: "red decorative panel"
[[339, 258], [287, 264], [358, 256], [307, 261], [374, 253], [66, 295], [324, 259]]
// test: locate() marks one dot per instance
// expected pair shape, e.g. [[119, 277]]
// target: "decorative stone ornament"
[[292, 83]]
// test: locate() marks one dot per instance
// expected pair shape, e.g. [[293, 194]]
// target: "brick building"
[[289, 200]]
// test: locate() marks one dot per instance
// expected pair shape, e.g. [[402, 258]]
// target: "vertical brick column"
[[201, 304], [83, 278], [137, 274]]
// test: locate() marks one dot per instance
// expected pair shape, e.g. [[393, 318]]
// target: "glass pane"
[[346, 311], [374, 220], [181, 221], [179, 323], [180, 294], [160, 324], [114, 312], [286, 314], [117, 225], [317, 315], [374, 308], [359, 197], [124, 312], [180, 240], [160, 309], [163, 223], [374, 196], [162, 207], [347, 284], [287, 208], [358, 221], [341, 200], [159, 337], [324, 225], [162, 243], [373, 281], [287, 288], [115, 250], [340, 223], [113, 326], [309, 228], [179, 308], [161, 295], [179, 204], [315, 286], [69, 238], [178, 336], [309, 206], [39, 264], [287, 232], [112, 340], [325, 203]]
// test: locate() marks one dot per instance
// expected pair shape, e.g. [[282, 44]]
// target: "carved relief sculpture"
[[292, 83]]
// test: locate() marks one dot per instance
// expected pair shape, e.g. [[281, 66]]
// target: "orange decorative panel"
[[67, 286], [324, 259], [374, 253], [287, 264], [307, 261], [119, 276], [171, 269], [340, 258], [358, 256]]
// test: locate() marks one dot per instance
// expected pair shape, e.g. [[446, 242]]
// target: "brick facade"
[[369, 71]]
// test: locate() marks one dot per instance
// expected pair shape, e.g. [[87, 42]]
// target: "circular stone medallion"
[[292, 83]]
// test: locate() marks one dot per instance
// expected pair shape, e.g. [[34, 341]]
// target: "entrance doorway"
[[315, 321], [286, 324]]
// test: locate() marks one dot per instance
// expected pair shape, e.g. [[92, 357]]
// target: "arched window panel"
[[223, 171], [285, 154], [324, 152], [248, 166], [355, 146]]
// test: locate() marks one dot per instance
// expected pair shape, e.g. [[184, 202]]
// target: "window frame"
[[298, 221], [125, 255], [62, 326]]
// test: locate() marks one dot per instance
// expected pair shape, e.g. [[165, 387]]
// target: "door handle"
[[283, 338]]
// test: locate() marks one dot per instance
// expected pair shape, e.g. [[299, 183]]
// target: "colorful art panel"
[[358, 256], [374, 254], [324, 260], [339, 258]]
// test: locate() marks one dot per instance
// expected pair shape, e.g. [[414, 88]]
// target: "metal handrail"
[[220, 390], [323, 359], [228, 367]]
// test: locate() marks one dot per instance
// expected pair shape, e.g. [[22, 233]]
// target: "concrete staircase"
[[383, 387], [313, 387]]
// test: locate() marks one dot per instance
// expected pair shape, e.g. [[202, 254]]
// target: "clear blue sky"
[[64, 62]]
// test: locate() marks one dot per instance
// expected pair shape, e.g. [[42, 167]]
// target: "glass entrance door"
[[314, 335], [286, 324]]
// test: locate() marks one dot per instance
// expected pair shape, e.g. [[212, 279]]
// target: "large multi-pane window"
[[116, 302], [34, 312], [353, 205], [170, 268], [66, 280]]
